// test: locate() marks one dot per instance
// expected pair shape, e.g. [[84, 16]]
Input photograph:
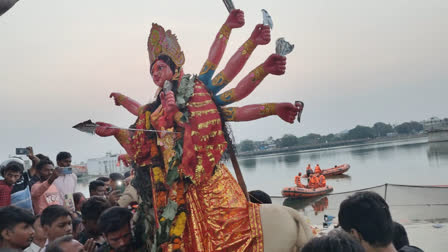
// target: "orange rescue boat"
[[338, 170], [300, 193]]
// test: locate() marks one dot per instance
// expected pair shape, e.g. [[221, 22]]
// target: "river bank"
[[338, 144]]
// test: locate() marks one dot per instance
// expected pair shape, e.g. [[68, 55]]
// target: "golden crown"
[[161, 42]]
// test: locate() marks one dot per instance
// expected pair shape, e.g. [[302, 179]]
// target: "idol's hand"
[[235, 19], [275, 64], [104, 129], [286, 111], [123, 158], [117, 98], [261, 34], [168, 102]]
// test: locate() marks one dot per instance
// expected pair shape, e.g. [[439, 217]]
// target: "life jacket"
[[322, 181], [298, 182], [317, 169], [314, 182]]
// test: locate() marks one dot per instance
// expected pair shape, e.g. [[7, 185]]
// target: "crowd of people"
[[61, 219], [316, 178], [50, 215]]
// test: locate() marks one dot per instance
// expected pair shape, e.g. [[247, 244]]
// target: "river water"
[[406, 162]]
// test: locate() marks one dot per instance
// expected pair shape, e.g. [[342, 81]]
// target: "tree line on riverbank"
[[378, 130]]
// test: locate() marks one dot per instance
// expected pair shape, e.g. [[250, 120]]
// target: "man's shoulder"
[[410, 249]]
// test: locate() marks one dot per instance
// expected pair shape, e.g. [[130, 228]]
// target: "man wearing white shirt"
[[66, 183]]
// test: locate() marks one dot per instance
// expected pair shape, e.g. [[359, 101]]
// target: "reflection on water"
[[319, 204], [340, 177], [292, 159], [438, 151], [249, 163]]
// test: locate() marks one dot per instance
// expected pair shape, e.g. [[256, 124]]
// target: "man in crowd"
[[91, 211], [39, 239], [68, 244], [115, 225], [56, 222], [97, 188], [67, 180], [16, 228], [106, 181], [366, 216], [79, 200], [44, 193], [11, 170]]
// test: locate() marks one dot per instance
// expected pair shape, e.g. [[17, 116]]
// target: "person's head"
[[260, 197], [65, 244], [64, 159], [114, 223], [335, 241], [11, 170], [97, 188], [56, 221], [115, 178], [300, 174], [78, 199], [16, 227], [162, 70], [400, 236], [127, 174], [39, 232], [106, 181], [44, 169], [41, 156], [366, 216], [91, 211]]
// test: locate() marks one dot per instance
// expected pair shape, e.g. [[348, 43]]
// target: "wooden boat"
[[300, 193], [338, 170]]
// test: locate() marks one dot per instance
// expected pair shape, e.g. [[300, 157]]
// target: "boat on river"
[[301, 193], [337, 170]]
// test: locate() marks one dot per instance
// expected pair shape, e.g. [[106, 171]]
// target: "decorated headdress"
[[161, 42]]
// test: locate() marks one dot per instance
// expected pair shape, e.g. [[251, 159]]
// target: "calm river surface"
[[409, 162]]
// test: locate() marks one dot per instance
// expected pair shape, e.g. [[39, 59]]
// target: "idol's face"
[[161, 72]]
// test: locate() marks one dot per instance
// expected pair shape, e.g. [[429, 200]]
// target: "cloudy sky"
[[355, 62]]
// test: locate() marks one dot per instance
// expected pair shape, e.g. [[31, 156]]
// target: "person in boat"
[[314, 182], [317, 169], [298, 182], [309, 170], [322, 181]]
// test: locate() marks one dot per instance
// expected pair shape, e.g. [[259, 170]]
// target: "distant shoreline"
[[318, 147]]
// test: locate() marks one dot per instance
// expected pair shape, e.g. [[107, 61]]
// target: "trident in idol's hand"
[[229, 5]]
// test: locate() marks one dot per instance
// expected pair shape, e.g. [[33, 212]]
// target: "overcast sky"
[[354, 63]]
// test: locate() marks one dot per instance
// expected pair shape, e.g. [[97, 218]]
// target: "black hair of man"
[[93, 185], [41, 156], [335, 241], [368, 214], [77, 197], [94, 207], [55, 245], [113, 219], [12, 166], [400, 236], [127, 174], [42, 163], [259, 197], [51, 213], [116, 176], [104, 179], [63, 155], [10, 216]]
